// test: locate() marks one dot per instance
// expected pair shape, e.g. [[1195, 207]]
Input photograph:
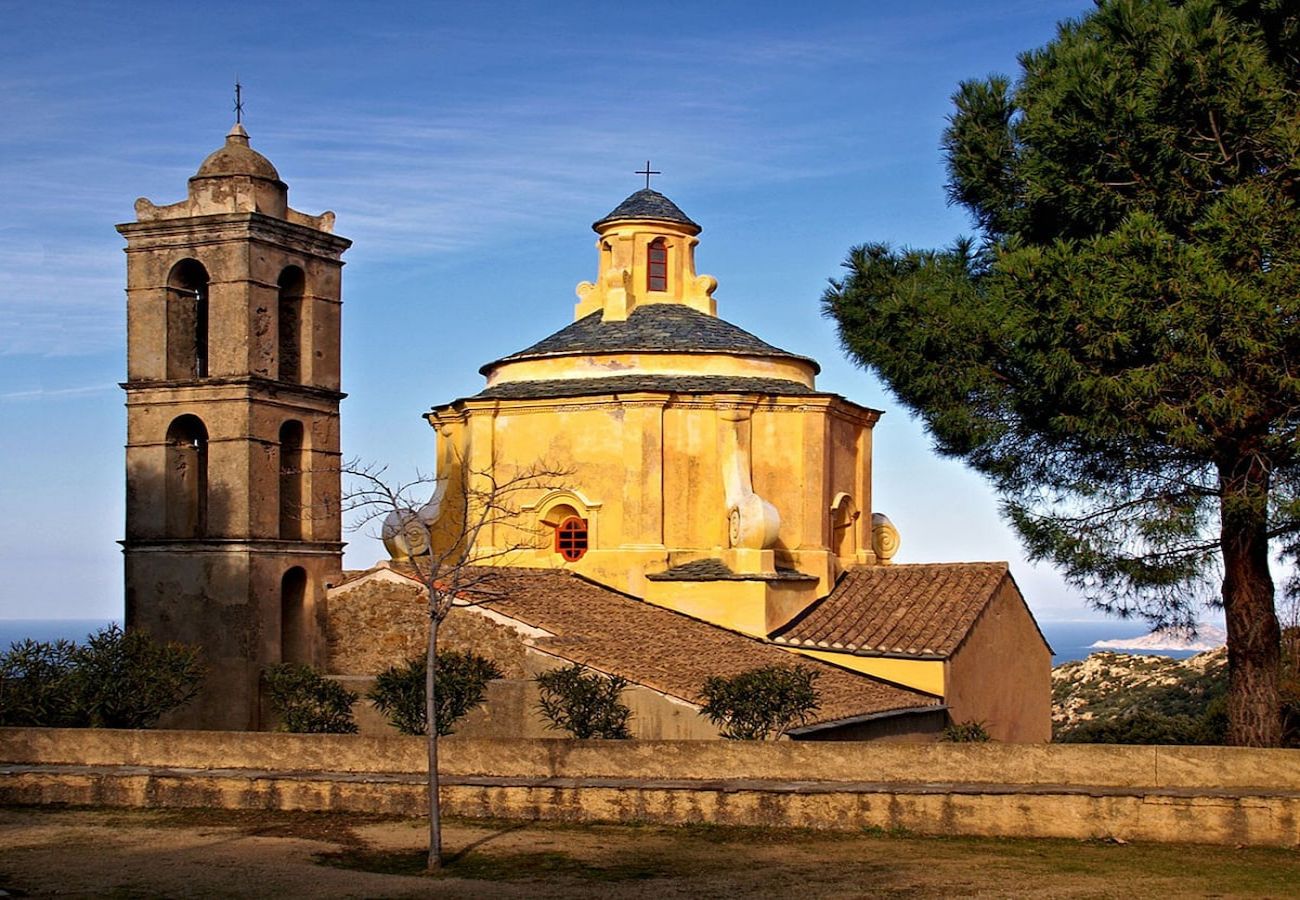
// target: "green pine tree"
[[1119, 349]]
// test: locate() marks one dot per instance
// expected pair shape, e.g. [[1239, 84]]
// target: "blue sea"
[[1070, 640], [14, 630]]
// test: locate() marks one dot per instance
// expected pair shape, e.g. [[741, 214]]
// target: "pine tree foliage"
[[1119, 348]]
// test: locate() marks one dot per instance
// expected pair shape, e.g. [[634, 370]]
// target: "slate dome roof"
[[237, 158], [657, 327], [646, 204]]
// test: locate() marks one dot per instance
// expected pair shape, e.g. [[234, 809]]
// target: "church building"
[[708, 509]]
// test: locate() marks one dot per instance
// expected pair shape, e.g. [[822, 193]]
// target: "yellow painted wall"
[[923, 674], [650, 465]]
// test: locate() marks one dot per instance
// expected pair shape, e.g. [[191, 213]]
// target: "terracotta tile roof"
[[657, 327], [917, 610], [667, 651], [622, 384]]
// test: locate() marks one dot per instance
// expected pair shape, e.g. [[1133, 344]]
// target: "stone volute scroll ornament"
[[884, 538], [752, 522], [405, 532]]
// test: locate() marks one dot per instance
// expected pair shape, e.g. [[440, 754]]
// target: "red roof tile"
[[665, 650], [915, 610]]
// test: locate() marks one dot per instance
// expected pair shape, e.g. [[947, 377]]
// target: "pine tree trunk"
[[1254, 640], [430, 710]]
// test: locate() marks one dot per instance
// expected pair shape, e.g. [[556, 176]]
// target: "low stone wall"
[[1200, 794]]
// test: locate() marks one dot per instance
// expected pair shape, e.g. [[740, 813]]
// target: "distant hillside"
[[1121, 698]]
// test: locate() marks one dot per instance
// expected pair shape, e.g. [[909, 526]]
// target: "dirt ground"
[[211, 853]]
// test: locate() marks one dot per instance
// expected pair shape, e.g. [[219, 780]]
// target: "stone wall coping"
[[1100, 766]]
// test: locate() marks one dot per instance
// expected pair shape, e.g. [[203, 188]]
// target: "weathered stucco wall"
[[383, 624], [1190, 794], [1001, 675]]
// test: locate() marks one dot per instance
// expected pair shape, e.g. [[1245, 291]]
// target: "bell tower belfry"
[[232, 459]]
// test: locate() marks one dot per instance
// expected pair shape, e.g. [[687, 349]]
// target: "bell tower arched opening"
[[186, 488], [292, 286], [187, 321], [294, 643], [291, 481]]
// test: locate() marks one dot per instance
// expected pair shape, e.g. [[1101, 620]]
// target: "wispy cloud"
[[56, 393]]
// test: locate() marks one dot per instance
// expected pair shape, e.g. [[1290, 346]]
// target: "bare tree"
[[453, 544]]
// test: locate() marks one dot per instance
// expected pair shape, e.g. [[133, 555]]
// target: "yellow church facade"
[[706, 509], [702, 471]]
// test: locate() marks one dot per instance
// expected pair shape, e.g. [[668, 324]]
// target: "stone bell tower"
[[232, 455]]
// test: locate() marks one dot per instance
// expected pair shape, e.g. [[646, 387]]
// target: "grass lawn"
[[205, 853]]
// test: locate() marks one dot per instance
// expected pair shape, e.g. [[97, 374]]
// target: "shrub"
[[1140, 727], [462, 679], [308, 702], [966, 733], [35, 684], [759, 703], [128, 680], [585, 705], [115, 680]]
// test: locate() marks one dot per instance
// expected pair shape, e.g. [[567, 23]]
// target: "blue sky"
[[466, 148]]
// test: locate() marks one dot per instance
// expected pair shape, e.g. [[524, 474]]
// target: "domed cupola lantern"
[[647, 255]]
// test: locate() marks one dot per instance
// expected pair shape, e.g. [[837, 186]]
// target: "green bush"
[[115, 680], [35, 684], [462, 680], [966, 733], [128, 680], [1148, 727], [308, 702], [585, 705], [759, 703]]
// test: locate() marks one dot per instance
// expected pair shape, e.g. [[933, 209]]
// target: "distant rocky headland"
[[1204, 637]]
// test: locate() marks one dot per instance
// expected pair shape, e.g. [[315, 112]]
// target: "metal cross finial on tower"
[[239, 102], [647, 172]]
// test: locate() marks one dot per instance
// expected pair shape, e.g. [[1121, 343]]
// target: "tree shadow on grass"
[[471, 863]]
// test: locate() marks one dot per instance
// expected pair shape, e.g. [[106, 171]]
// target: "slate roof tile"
[[717, 570], [646, 204], [626, 384], [656, 327]]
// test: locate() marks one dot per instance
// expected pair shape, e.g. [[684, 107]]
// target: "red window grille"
[[657, 271], [571, 538]]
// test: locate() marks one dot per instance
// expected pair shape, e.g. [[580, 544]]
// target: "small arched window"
[[292, 284], [571, 538], [187, 320], [186, 482], [657, 266], [291, 478]]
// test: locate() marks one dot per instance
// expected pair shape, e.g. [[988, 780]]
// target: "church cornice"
[[219, 228], [269, 388]]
